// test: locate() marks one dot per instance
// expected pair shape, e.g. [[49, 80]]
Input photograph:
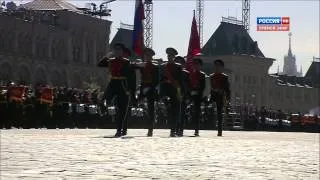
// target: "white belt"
[[194, 93]]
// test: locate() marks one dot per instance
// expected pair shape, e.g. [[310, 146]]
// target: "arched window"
[[24, 75], [55, 78], [5, 72], [40, 76], [77, 81], [64, 78]]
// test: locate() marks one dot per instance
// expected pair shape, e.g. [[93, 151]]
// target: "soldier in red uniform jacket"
[[119, 72], [197, 85], [149, 80], [184, 95], [171, 87], [220, 90], [132, 89]]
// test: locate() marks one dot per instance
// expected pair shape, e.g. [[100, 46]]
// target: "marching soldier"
[[120, 71], [171, 87], [132, 88], [184, 95], [149, 81], [220, 90], [197, 86]]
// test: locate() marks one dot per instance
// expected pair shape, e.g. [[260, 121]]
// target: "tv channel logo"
[[273, 23]]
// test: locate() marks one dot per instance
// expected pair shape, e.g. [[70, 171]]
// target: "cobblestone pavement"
[[87, 154]]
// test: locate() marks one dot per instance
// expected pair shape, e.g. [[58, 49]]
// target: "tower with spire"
[[289, 66]]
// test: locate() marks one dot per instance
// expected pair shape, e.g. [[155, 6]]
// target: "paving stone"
[[86, 154]]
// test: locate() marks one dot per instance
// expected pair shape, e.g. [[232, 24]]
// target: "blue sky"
[[172, 25]]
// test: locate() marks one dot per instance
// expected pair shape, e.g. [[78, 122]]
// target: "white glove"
[[141, 65], [128, 93], [145, 90], [194, 93]]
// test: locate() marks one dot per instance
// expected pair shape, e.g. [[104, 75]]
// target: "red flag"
[[137, 35], [194, 44]]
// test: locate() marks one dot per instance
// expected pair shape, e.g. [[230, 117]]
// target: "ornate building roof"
[[285, 80], [124, 36], [313, 73], [231, 39], [49, 5]]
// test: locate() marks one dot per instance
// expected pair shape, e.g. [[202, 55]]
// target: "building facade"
[[50, 43], [248, 71]]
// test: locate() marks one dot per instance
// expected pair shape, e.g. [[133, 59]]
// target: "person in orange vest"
[[220, 91], [16, 98], [46, 100]]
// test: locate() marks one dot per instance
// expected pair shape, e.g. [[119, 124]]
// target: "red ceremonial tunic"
[[86, 98], [218, 80], [147, 73], [116, 66], [194, 79], [169, 71]]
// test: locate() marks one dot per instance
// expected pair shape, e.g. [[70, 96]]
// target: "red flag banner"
[[16, 93], [137, 35], [194, 44], [46, 96]]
